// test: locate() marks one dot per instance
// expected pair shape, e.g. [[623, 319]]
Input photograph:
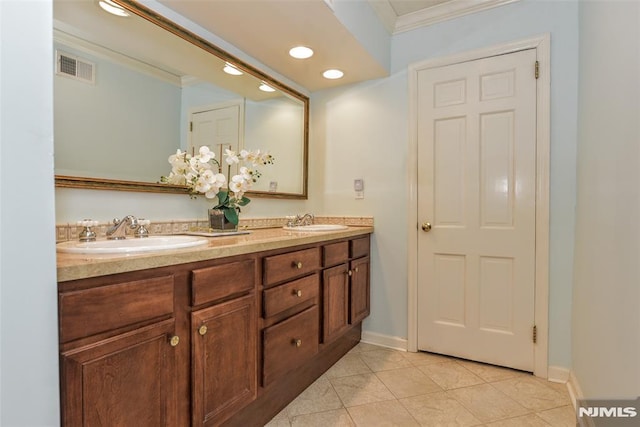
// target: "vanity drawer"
[[92, 311], [360, 247], [284, 297], [335, 253], [290, 343], [222, 281], [287, 266]]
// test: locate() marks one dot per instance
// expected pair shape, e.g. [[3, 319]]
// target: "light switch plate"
[[358, 184]]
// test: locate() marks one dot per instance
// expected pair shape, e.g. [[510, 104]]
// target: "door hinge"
[[190, 126], [535, 334], [537, 70]]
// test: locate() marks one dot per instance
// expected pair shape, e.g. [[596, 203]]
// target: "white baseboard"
[[558, 374], [575, 392], [395, 343]]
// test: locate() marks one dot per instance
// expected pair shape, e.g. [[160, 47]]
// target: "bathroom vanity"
[[224, 334]]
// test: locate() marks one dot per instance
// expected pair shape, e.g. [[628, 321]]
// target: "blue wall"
[[371, 118]]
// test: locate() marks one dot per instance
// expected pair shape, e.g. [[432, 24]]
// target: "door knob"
[[426, 227]]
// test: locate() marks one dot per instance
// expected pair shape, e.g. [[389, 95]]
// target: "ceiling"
[[267, 29]]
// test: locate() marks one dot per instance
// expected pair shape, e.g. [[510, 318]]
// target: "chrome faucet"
[[306, 219], [118, 229]]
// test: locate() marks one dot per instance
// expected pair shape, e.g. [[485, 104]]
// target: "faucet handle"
[[87, 223], [142, 230], [87, 234], [291, 220]]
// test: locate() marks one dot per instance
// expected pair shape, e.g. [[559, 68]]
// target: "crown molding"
[[431, 15], [386, 14]]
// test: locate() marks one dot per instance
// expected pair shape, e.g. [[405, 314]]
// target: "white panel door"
[[217, 128], [476, 189]]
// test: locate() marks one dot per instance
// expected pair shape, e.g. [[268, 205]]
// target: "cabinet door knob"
[[297, 265], [202, 330], [297, 292], [349, 273], [174, 340], [296, 342], [356, 269]]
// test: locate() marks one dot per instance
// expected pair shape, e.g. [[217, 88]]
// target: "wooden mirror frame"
[[65, 181]]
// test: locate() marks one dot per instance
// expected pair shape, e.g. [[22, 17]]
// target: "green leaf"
[[231, 215], [244, 201], [223, 198]]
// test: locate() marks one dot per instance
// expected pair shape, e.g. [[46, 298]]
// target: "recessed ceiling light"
[[301, 52], [332, 74], [230, 69], [266, 88], [113, 8]]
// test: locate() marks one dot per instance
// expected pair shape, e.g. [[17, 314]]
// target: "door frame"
[[542, 45]]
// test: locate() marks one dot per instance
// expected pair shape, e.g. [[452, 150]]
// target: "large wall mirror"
[[129, 91]]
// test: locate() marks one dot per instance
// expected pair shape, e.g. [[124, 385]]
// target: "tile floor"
[[373, 386]]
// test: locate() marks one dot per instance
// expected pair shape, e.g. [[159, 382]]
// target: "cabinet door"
[[360, 301], [224, 360], [335, 302], [126, 380]]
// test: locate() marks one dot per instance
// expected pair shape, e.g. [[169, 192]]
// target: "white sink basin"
[[317, 227], [131, 245]]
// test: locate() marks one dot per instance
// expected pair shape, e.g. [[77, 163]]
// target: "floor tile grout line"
[[528, 411], [450, 392]]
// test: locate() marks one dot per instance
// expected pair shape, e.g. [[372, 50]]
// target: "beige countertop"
[[82, 266]]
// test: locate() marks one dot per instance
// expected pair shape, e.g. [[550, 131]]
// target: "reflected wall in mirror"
[[129, 91]]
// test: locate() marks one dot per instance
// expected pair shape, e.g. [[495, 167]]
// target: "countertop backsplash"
[[65, 232]]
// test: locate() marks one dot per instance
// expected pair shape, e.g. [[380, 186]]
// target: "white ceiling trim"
[[431, 15], [386, 14]]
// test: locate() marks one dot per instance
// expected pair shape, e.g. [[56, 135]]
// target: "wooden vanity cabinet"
[[224, 360], [359, 294], [345, 286], [117, 358], [224, 340], [229, 341], [123, 381], [335, 291]]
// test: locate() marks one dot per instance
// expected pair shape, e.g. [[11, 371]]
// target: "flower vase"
[[219, 223]]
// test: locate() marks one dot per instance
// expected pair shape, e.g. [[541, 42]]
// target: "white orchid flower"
[[201, 175], [176, 179], [231, 157], [240, 183], [205, 154], [179, 156]]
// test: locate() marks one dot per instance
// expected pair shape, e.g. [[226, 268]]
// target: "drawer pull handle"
[[297, 293], [202, 330], [174, 340], [297, 265], [296, 342]]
